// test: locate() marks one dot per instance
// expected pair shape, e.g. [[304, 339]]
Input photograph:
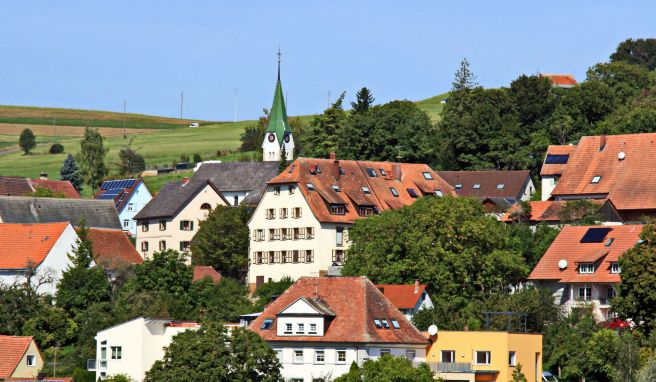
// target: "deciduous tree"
[[27, 141], [388, 369], [91, 158]]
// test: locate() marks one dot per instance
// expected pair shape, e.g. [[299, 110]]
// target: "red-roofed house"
[[44, 245], [300, 226], [19, 357], [319, 326], [560, 80], [18, 186], [409, 299], [581, 265], [204, 271], [112, 247]]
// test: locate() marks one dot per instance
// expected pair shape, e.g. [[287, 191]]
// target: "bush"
[[197, 158], [56, 148]]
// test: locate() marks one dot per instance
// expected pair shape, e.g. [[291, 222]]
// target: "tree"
[[321, 136], [647, 372], [197, 158], [27, 141], [363, 101], [224, 301], [52, 327], [641, 51], [266, 292], [18, 304], [464, 79], [56, 148], [283, 162], [580, 212], [517, 375], [91, 158], [209, 354], [131, 162], [71, 172], [625, 80], [534, 99], [222, 241], [388, 369], [251, 138], [41, 192]]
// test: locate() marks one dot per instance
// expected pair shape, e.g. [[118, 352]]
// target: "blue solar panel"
[[117, 184], [556, 159], [595, 235]]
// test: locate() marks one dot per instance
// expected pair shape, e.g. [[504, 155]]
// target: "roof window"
[[341, 171], [595, 179], [383, 172], [556, 159], [395, 324], [310, 186], [439, 193], [366, 190], [371, 172], [385, 324], [291, 168], [317, 169], [378, 324], [428, 175], [412, 192], [394, 192], [500, 186], [609, 241], [266, 325], [459, 186], [595, 235], [336, 188], [476, 186]]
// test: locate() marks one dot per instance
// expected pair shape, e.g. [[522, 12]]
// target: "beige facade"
[[31, 363], [175, 232], [288, 240]]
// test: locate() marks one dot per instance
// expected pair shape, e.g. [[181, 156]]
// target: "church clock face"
[[272, 137], [287, 138]]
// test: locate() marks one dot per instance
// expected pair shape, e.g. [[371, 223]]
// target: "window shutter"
[[301, 233], [191, 224], [181, 225], [276, 257]]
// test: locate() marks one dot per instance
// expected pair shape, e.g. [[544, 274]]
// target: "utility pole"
[[124, 109], [181, 106], [236, 96], [53, 124]]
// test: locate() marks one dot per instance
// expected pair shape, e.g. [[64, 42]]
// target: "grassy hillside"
[[433, 106]]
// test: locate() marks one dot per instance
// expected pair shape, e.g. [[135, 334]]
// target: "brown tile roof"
[[402, 296], [112, 246], [20, 243], [629, 183], [514, 183], [15, 186], [565, 80], [18, 186], [202, 271], [350, 177], [12, 350], [57, 186], [567, 246], [118, 190], [556, 169], [47, 379], [544, 211], [355, 301]]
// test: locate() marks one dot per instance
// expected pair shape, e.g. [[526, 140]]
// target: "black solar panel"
[[595, 235], [556, 159]]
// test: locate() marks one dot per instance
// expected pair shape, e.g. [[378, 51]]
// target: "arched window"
[[205, 206]]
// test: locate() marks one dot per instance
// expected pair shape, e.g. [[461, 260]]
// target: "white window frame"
[[130, 206], [300, 328], [586, 268], [488, 358], [615, 267], [385, 351], [410, 354], [427, 175], [30, 360], [117, 352], [319, 356], [586, 296], [512, 358], [126, 223], [313, 328], [596, 179], [296, 358], [337, 353], [453, 356]]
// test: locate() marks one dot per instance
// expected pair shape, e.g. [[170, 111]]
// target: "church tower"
[[278, 135]]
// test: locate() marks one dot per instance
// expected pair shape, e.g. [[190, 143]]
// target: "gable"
[[300, 306]]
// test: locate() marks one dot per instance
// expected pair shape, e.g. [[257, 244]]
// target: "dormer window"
[[615, 267], [458, 186], [383, 172], [337, 209], [395, 324], [427, 176], [365, 211], [595, 179], [266, 325], [394, 192], [586, 268], [476, 186], [500, 186], [336, 188], [310, 186], [366, 190], [371, 172]]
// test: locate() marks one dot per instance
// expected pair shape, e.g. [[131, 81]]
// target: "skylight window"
[[371, 172], [366, 190], [609, 241], [428, 176], [500, 186], [476, 186], [439, 193], [266, 325], [383, 172], [291, 169], [412, 192], [318, 169], [310, 186], [385, 324], [336, 188], [595, 179], [341, 171], [395, 324], [378, 324], [458, 186], [394, 192], [556, 159]]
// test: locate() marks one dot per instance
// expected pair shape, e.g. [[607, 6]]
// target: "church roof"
[[278, 122]]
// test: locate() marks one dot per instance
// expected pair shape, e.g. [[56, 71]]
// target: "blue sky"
[[95, 54]]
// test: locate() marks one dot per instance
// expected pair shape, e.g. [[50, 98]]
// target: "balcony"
[[450, 367]]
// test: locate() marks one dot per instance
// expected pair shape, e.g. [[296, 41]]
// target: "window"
[[145, 227], [283, 213], [609, 241], [162, 245], [365, 211], [271, 257], [428, 176], [266, 325], [300, 328], [270, 213], [458, 186], [103, 352], [317, 169], [585, 293], [448, 356], [205, 207], [291, 189], [295, 258], [385, 324], [276, 190], [287, 233], [586, 268], [394, 192], [319, 356], [117, 352], [338, 256], [378, 324], [309, 233], [412, 193], [298, 356], [144, 246], [395, 324], [410, 354], [130, 206], [384, 351], [371, 172], [595, 179], [313, 328], [126, 223], [512, 358], [31, 360], [185, 246], [296, 212], [310, 186], [610, 293], [235, 201], [259, 235], [162, 225], [476, 186], [309, 256], [439, 193], [483, 357], [336, 188], [500, 186], [615, 267], [341, 356], [257, 257], [339, 236], [288, 328], [186, 225], [366, 190], [283, 257], [337, 209]]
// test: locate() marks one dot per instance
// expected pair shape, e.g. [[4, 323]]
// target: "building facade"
[[20, 358], [129, 196], [409, 299]]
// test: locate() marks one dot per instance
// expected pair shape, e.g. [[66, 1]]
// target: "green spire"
[[278, 122]]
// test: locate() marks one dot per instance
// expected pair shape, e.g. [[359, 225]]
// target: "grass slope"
[[433, 106]]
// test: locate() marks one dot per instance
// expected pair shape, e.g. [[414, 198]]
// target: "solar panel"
[[595, 235], [116, 184], [412, 192], [556, 159]]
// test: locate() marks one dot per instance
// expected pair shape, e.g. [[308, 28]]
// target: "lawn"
[[433, 106]]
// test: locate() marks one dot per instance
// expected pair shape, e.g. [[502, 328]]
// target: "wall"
[[528, 191], [548, 184], [129, 336], [139, 198], [231, 195], [24, 371]]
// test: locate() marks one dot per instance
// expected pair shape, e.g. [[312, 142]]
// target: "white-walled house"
[[129, 196], [319, 326], [132, 347], [409, 299], [44, 245]]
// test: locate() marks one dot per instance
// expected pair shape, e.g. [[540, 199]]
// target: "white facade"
[[570, 296], [529, 190], [235, 198], [138, 199], [271, 149], [132, 347], [548, 184], [424, 302]]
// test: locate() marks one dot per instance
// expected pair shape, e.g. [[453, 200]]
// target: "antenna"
[[279, 55], [125, 103]]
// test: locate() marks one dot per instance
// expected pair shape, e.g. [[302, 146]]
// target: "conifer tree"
[[71, 172], [283, 162], [364, 100], [464, 78]]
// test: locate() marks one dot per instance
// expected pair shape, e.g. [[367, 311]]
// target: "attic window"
[[336, 188], [317, 169], [428, 176], [412, 192], [385, 324], [366, 190], [586, 268], [378, 324], [371, 172], [395, 324], [383, 172], [439, 193], [500, 186], [341, 171], [476, 186], [595, 179], [394, 192], [266, 325], [458, 186], [337, 209], [615, 267], [310, 186]]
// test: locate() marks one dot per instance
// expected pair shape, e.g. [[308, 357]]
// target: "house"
[[170, 220], [19, 358], [278, 137], [560, 80], [484, 355], [45, 246], [129, 197], [18, 186], [239, 182], [300, 225], [320, 326], [132, 347], [113, 248], [30, 210], [202, 272], [613, 168], [542, 212], [498, 190], [581, 266], [409, 299]]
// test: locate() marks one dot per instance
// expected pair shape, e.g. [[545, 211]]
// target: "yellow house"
[[470, 356], [19, 357]]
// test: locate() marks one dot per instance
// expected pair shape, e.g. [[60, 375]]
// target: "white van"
[[194, 124]]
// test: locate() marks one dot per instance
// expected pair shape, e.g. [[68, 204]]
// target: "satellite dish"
[[432, 330], [621, 155], [562, 264]]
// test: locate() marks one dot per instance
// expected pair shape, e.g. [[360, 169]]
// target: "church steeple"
[[278, 132]]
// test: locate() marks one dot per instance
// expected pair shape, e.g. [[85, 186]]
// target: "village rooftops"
[[19, 186], [239, 176], [173, 197], [22, 244], [22, 209], [112, 247], [119, 191], [488, 184], [402, 296]]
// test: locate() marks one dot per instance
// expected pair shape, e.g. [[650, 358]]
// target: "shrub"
[[56, 148]]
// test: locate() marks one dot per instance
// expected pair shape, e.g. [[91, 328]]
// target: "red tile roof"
[[51, 379], [18, 186], [21, 243], [202, 271], [514, 183], [350, 176], [556, 169], [57, 186], [12, 350], [355, 301], [628, 182], [564, 80], [112, 246], [543, 211], [402, 296], [567, 246]]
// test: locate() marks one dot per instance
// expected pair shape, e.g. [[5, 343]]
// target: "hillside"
[[433, 106]]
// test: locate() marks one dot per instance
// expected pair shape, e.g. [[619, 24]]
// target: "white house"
[[44, 245], [132, 347], [409, 299], [129, 196], [319, 326]]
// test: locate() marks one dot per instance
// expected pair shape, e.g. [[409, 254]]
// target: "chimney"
[[185, 180], [602, 142], [332, 155], [416, 286], [397, 171], [43, 175], [335, 165]]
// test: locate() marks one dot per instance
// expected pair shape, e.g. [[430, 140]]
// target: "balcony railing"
[[450, 367]]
